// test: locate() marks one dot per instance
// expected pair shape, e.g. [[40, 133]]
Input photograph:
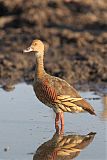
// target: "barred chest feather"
[[44, 93]]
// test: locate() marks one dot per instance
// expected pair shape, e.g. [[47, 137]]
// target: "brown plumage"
[[53, 91], [63, 147]]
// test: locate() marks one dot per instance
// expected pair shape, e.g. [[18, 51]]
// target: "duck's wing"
[[69, 97]]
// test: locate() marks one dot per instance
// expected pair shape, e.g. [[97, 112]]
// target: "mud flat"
[[75, 35]]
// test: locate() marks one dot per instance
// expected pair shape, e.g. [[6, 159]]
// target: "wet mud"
[[74, 33]]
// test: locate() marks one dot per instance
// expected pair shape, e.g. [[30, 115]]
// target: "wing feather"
[[66, 92], [66, 103]]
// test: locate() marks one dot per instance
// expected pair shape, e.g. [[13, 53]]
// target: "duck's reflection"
[[63, 147]]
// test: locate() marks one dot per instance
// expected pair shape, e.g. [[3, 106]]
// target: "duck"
[[53, 91]]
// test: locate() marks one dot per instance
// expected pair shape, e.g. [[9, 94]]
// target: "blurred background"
[[74, 33]]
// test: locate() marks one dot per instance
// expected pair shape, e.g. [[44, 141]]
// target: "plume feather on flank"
[[68, 98], [72, 99], [67, 152], [73, 104], [66, 103], [61, 97], [69, 104], [62, 107]]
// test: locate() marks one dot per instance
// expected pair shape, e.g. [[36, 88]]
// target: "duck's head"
[[37, 46]]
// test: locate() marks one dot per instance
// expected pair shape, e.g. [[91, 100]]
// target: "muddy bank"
[[75, 35]]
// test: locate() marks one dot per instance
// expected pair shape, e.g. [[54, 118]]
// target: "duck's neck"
[[39, 71]]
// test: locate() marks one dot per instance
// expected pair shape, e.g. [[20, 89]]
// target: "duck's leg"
[[62, 121], [57, 119], [59, 116], [62, 118]]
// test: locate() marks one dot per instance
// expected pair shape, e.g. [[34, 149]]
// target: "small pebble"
[[6, 149], [8, 87]]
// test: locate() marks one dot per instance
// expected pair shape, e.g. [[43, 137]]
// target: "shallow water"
[[26, 124]]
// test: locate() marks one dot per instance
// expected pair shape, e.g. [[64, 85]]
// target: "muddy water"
[[27, 129]]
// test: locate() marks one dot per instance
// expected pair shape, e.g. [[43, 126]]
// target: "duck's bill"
[[28, 50]]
